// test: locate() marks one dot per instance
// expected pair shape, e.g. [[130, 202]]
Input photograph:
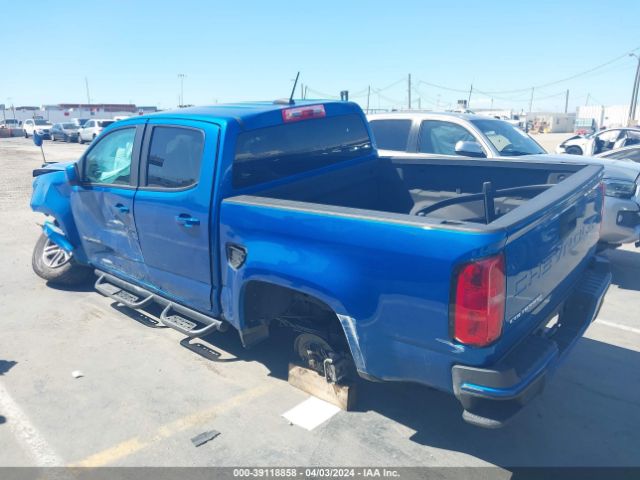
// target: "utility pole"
[[531, 99], [409, 91], [368, 95], [469, 99], [634, 93], [491, 103], [586, 102], [566, 102], [302, 90], [419, 103], [181, 77], [86, 84]]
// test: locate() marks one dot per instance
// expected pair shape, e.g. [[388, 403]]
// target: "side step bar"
[[180, 318]]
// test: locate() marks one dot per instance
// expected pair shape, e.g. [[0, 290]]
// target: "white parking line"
[[618, 326], [35, 444]]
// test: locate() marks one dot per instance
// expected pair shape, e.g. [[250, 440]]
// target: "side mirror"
[[469, 149], [72, 174]]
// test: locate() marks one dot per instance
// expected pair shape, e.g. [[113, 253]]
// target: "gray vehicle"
[[443, 135], [600, 142], [631, 153]]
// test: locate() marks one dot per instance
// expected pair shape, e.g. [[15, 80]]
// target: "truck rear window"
[[275, 152]]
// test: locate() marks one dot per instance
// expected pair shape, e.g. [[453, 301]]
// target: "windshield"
[[106, 123], [508, 139], [41, 122], [69, 126]]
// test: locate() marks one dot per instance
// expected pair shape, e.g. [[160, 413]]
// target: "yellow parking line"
[[136, 444]]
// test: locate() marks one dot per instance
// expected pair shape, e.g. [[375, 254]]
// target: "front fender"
[[50, 196]]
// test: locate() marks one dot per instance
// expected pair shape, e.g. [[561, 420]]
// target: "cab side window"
[[109, 161], [441, 137], [174, 157], [391, 134]]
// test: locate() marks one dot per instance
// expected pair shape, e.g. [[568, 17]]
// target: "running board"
[[187, 321], [141, 298], [180, 318]]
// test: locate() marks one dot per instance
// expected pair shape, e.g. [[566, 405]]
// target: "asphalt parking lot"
[[143, 396]]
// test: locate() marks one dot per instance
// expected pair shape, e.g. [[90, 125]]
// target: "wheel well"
[[266, 303]]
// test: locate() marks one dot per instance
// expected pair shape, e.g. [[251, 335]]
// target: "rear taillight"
[[303, 113], [477, 309]]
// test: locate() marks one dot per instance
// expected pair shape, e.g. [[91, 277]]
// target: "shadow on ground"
[[625, 268]]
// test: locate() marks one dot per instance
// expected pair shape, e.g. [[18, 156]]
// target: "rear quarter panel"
[[388, 282]]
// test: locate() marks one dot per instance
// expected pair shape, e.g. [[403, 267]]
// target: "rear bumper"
[[491, 396]]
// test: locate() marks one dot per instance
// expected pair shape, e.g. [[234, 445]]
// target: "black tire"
[[53, 138], [26, 135], [573, 150], [80, 140], [65, 273]]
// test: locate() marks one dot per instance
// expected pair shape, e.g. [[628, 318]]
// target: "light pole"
[[634, 93], [181, 77]]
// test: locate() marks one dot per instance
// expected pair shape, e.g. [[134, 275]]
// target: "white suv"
[[41, 127], [91, 129]]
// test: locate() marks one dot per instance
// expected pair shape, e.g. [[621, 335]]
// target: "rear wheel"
[[574, 150], [56, 265]]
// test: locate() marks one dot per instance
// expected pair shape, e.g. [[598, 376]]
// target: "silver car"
[[453, 135], [599, 142]]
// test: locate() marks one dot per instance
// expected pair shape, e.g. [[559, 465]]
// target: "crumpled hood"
[[621, 169]]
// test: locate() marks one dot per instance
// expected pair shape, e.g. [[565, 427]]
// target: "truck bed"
[[401, 186]]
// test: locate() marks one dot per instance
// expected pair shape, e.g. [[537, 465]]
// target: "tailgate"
[[547, 249]]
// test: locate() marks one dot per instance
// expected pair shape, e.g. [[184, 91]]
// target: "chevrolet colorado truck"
[[471, 276]]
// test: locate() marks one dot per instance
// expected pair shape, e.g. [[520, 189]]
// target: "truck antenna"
[[293, 90]]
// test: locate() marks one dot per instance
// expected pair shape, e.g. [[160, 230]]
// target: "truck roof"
[[243, 112]]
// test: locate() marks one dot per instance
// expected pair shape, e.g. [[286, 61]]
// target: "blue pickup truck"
[[472, 277]]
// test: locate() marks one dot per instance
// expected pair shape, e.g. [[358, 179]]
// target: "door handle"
[[122, 208], [187, 220]]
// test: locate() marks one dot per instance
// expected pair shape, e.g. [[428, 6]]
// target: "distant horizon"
[[228, 53]]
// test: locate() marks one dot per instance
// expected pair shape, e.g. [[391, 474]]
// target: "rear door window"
[[276, 152], [174, 157], [391, 134]]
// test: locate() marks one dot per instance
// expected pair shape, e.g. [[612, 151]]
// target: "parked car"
[[631, 153], [91, 129], [40, 126], [446, 135], [437, 271], [9, 123], [67, 132], [602, 141], [79, 121]]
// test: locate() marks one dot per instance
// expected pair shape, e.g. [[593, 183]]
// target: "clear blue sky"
[[244, 50]]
